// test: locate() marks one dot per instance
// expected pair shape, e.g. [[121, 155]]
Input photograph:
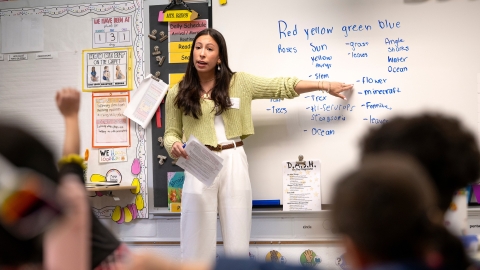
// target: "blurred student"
[[107, 252], [52, 207], [23, 150], [386, 213], [443, 146], [447, 150]]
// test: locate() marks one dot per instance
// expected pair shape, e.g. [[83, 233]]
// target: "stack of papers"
[[202, 162]]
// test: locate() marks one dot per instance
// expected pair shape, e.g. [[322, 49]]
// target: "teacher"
[[214, 104]]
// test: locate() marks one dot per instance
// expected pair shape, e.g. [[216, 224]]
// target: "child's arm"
[[68, 102]]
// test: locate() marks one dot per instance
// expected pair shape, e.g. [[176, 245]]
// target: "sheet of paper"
[[202, 162], [112, 31], [146, 101], [22, 33], [110, 128], [301, 186]]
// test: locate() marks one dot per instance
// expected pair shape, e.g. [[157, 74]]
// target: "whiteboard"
[[404, 57]]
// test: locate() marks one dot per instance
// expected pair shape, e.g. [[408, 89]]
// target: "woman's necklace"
[[206, 95]]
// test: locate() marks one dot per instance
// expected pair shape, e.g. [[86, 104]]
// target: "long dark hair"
[[188, 98]]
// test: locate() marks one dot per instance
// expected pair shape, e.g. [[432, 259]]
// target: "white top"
[[220, 131]]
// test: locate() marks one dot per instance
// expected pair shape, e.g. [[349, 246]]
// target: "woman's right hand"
[[178, 151]]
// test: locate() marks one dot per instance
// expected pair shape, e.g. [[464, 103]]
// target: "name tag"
[[235, 103]]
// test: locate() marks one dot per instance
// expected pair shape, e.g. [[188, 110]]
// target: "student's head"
[[385, 210], [117, 67], [93, 68], [22, 150], [446, 149], [105, 68]]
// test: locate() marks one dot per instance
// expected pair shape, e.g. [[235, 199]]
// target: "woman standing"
[[214, 104]]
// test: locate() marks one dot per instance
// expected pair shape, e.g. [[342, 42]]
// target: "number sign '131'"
[[112, 32]]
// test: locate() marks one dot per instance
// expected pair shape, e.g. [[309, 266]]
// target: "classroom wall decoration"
[[107, 69], [69, 30]]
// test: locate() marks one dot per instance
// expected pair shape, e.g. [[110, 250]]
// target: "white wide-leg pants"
[[231, 196]]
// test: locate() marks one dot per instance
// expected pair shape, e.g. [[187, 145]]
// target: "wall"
[[442, 74]]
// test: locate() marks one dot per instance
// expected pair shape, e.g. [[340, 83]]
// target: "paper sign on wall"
[[112, 32], [180, 36], [110, 128], [301, 186], [107, 69], [174, 78], [111, 155]]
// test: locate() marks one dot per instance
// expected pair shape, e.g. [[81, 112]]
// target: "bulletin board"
[[28, 90], [167, 69]]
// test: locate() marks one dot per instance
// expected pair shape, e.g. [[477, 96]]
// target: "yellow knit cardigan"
[[238, 122]]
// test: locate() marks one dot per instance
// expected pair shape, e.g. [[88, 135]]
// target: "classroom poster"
[[112, 32], [175, 182], [107, 70], [301, 186], [180, 36], [110, 128]]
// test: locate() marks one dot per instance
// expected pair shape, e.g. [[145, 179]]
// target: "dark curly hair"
[[388, 208], [447, 150]]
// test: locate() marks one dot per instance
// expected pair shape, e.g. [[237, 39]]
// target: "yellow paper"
[[174, 78], [180, 47], [175, 207], [179, 57], [179, 15]]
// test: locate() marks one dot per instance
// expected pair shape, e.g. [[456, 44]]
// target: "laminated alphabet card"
[[301, 186]]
